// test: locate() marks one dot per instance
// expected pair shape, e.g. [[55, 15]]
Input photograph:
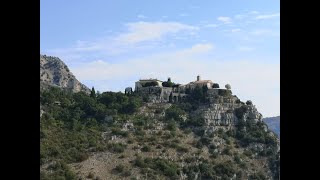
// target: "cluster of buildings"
[[180, 87], [162, 91]]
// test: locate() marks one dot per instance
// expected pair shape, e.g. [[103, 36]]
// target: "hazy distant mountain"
[[273, 124]]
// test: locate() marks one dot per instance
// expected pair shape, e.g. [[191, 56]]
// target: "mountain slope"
[[273, 123], [54, 72], [113, 135]]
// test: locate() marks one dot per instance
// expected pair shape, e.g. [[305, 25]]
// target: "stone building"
[[200, 83], [142, 82], [156, 91]]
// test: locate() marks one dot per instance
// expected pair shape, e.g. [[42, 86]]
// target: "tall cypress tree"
[[93, 93], [170, 98]]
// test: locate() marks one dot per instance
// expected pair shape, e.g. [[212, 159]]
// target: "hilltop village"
[[167, 91], [156, 130]]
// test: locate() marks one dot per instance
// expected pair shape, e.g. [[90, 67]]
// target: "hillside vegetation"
[[117, 136]]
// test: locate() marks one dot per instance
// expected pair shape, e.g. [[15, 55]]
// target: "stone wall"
[[159, 94]]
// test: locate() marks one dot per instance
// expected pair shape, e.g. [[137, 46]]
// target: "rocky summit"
[[54, 72], [158, 130]]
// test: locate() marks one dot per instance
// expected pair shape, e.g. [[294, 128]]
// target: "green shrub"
[[150, 84], [161, 166], [146, 148], [215, 85], [116, 147], [130, 141], [214, 155], [241, 111], [205, 140], [158, 111], [119, 168], [237, 159], [225, 92], [118, 131], [227, 150], [182, 149], [226, 168], [206, 171], [173, 145], [171, 126], [175, 113], [90, 175], [199, 145], [126, 173], [258, 176], [247, 153], [167, 84], [122, 156]]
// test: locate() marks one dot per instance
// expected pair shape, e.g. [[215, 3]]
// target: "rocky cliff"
[[54, 72]]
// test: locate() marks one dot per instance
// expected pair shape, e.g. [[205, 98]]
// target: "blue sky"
[[111, 44]]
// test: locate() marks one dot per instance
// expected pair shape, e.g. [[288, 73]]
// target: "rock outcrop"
[[54, 72], [224, 112]]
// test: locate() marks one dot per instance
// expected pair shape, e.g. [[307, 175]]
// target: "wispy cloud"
[[235, 30], [240, 16], [103, 70], [147, 31], [224, 19], [267, 16], [211, 25], [141, 16], [138, 36], [254, 12]]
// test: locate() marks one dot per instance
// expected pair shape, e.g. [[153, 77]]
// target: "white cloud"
[[235, 30], [240, 16], [137, 37], [224, 19], [195, 50], [254, 12], [141, 16], [148, 31], [267, 16], [250, 79], [211, 25], [102, 70]]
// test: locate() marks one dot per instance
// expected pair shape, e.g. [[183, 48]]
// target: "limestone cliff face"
[[54, 72], [224, 111]]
